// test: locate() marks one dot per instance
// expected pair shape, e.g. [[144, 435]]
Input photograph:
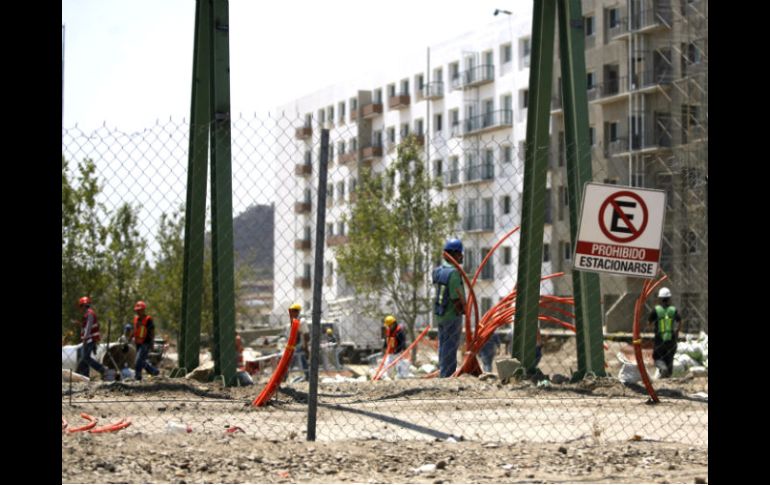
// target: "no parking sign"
[[620, 230]]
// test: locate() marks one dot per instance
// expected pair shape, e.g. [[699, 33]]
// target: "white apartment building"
[[466, 99]]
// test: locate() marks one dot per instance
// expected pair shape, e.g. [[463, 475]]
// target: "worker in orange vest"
[[144, 337], [89, 335]]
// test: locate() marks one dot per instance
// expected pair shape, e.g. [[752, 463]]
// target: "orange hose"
[[123, 423], [648, 287], [85, 427], [388, 351], [281, 368], [403, 354]]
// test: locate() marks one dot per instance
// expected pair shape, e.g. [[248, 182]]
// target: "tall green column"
[[588, 317], [222, 197], [195, 210], [535, 171]]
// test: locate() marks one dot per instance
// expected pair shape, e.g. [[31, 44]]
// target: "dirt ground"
[[465, 430]]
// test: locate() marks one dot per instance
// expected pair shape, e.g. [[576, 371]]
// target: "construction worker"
[[301, 352], [89, 336], [488, 352], [395, 339], [667, 324], [449, 308], [331, 355], [144, 337]]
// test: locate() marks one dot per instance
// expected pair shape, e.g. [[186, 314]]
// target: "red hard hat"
[[140, 305], [84, 301]]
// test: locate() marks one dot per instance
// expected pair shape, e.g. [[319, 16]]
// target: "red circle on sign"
[[635, 233]]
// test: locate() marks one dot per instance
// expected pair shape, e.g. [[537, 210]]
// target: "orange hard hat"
[[140, 305], [84, 301]]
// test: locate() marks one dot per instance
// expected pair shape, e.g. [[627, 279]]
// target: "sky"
[[128, 63]]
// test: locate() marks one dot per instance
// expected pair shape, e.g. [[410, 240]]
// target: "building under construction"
[[647, 81]]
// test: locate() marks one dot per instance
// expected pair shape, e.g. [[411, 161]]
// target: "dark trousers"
[[448, 342], [87, 361], [665, 351], [142, 352]]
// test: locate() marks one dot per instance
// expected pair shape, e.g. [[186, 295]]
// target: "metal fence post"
[[318, 273]]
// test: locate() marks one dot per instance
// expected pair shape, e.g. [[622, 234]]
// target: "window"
[[690, 242], [404, 87], [419, 82], [341, 190], [330, 194], [506, 203], [588, 23], [308, 119], [454, 173], [306, 273], [329, 273], [591, 136], [566, 251], [546, 252], [523, 98], [377, 138], [468, 262], [438, 75], [391, 90], [522, 151], [613, 17], [404, 130], [454, 121], [506, 154], [590, 80], [438, 168], [525, 48], [562, 202], [353, 145], [330, 229], [507, 255], [353, 105], [330, 114], [341, 228], [391, 135], [488, 272], [418, 127], [341, 147], [506, 53], [454, 72], [331, 152], [307, 233], [321, 117], [341, 109], [438, 121], [486, 304]]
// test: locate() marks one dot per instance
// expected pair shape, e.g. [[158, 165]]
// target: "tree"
[[396, 233], [125, 260], [84, 240]]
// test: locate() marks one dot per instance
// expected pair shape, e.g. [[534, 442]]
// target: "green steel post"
[[195, 209], [588, 321], [535, 171], [222, 197]]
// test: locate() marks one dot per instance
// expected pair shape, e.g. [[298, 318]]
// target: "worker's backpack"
[[441, 280]]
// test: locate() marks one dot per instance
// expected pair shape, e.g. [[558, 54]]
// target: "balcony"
[[303, 133], [303, 169], [480, 173], [651, 20], [650, 80], [619, 30], [302, 282], [419, 139], [479, 222], [344, 158], [476, 76], [616, 147], [302, 244], [302, 207], [370, 152], [611, 91], [399, 101], [339, 240], [433, 90], [371, 110], [494, 120]]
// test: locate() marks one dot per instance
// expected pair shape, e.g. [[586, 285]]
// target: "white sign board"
[[620, 230]]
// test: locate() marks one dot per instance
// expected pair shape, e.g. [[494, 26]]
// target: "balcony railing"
[[615, 147], [479, 222], [399, 101], [651, 18], [650, 78], [371, 110], [302, 282], [372, 151], [612, 87], [303, 169], [346, 157], [303, 133], [488, 121], [339, 240], [452, 177], [302, 207], [477, 76], [302, 244], [481, 172], [433, 90], [621, 28]]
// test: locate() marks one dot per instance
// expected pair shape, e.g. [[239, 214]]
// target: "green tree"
[[124, 262], [83, 243], [395, 234]]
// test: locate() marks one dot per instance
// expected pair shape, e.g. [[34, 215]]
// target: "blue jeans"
[[87, 361], [487, 354], [142, 352], [448, 342]]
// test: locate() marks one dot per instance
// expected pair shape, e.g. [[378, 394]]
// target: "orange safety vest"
[[140, 329], [94, 327]]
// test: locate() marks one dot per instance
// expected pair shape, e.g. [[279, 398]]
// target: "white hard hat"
[[664, 293]]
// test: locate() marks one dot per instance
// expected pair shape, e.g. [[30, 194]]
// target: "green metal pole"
[[535, 171], [222, 197], [195, 209], [588, 321]]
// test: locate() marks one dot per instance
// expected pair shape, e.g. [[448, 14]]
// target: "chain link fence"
[[123, 226]]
